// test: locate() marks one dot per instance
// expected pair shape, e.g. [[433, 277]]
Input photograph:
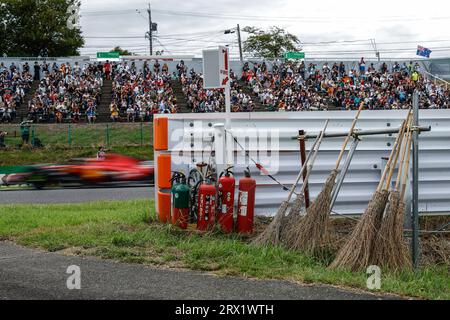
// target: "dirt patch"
[[435, 249], [77, 251], [434, 223]]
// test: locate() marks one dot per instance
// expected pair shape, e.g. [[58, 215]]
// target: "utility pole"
[[240, 44], [377, 53], [238, 31], [150, 32]]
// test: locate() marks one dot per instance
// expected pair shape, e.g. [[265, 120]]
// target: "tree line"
[[40, 28]]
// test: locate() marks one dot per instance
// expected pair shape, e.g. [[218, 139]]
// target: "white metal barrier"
[[190, 141]]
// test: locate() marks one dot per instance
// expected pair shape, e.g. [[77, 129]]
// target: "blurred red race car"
[[113, 169]]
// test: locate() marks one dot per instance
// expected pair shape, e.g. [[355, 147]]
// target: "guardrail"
[[189, 142], [437, 78]]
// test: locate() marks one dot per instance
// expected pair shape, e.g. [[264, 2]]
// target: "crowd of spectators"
[[73, 93], [14, 85], [202, 100], [298, 87], [66, 93], [138, 94]]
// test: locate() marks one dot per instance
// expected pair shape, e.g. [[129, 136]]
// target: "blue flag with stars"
[[423, 52]]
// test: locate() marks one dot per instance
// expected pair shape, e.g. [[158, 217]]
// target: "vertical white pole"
[[220, 146], [229, 138], [415, 202]]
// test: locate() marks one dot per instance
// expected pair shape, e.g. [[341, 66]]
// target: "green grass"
[[122, 231], [62, 155], [84, 135], [124, 138]]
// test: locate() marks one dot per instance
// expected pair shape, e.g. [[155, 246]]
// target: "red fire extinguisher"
[[227, 189], [207, 197], [246, 204]]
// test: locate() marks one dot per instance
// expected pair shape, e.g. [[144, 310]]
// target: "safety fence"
[[267, 138], [80, 135], [437, 80]]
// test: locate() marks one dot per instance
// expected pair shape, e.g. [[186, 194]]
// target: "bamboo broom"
[[291, 221], [385, 246], [356, 253], [272, 233], [403, 254], [309, 233]]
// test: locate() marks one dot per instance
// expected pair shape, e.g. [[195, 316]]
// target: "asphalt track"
[[75, 195], [31, 275]]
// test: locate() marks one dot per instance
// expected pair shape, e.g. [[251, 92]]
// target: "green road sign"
[[108, 55], [294, 55]]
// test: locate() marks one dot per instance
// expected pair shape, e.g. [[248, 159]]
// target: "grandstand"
[[76, 89]]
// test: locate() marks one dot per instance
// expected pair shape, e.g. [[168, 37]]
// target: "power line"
[[286, 18], [266, 18], [179, 40], [355, 43], [194, 35], [113, 37], [371, 51]]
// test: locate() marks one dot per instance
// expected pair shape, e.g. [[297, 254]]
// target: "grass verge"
[[83, 135], [129, 139], [122, 231], [62, 155]]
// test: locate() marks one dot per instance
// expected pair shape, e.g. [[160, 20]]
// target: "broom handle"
[[388, 166], [408, 163], [316, 144], [397, 153], [313, 160], [347, 140], [394, 163], [404, 152]]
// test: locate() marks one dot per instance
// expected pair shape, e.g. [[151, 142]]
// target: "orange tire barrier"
[[161, 134], [164, 171], [164, 207]]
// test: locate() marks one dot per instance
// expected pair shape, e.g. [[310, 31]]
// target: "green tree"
[[270, 44], [31, 27], [122, 52]]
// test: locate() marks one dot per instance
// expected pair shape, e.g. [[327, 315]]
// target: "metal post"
[[70, 135], [361, 133], [344, 171], [229, 139], [142, 134], [220, 138], [107, 135], [415, 209], [301, 134], [33, 133], [241, 56]]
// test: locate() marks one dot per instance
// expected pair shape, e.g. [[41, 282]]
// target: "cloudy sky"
[[327, 28]]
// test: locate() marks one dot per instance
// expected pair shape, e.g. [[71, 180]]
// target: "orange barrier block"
[[164, 171], [164, 207], [161, 134]]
